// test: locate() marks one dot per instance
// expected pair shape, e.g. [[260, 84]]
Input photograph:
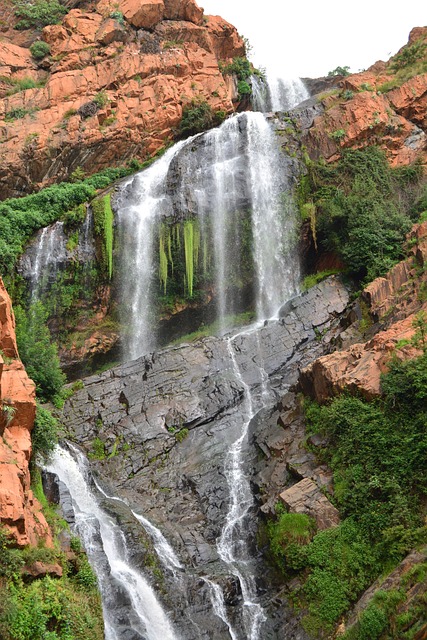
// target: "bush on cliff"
[[198, 116], [363, 209], [37, 351], [38, 13]]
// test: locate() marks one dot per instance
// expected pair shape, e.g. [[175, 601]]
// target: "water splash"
[[234, 181], [138, 216]]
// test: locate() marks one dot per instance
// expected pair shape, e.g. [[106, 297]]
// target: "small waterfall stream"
[[50, 251], [277, 94], [106, 547]]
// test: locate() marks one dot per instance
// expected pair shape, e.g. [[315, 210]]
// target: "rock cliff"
[[112, 88], [392, 303], [377, 106], [20, 512]]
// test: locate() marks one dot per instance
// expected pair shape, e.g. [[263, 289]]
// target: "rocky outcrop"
[[357, 113], [166, 421], [306, 497], [20, 512], [137, 72], [392, 301]]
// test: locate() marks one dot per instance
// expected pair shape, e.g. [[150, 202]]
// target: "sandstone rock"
[[306, 497], [7, 325], [183, 10], [145, 86], [142, 13], [20, 512], [41, 570], [358, 369]]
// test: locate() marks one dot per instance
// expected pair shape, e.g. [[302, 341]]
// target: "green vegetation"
[[44, 435], [411, 61], [242, 69], [66, 608], [191, 249], [118, 17], [22, 84], [38, 13], [314, 278], [363, 209], [103, 223], [38, 353], [339, 71], [198, 116], [377, 453], [39, 49], [22, 217], [18, 113]]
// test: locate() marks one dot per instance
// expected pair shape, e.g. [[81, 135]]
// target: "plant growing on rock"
[[198, 116], [39, 50], [38, 14]]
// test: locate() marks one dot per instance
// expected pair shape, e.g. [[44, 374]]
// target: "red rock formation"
[[143, 71], [20, 512], [358, 368], [360, 114]]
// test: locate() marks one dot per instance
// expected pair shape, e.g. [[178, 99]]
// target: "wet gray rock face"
[[166, 422]]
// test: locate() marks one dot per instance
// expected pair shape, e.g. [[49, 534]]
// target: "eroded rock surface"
[[167, 420], [137, 73], [20, 512]]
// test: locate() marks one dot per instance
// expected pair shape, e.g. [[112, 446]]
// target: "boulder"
[[306, 497]]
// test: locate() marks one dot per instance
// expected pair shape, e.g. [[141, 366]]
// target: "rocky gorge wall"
[[166, 422], [112, 89], [20, 511]]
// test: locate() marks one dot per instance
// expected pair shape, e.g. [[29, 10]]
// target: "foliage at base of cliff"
[[377, 452], [48, 608]]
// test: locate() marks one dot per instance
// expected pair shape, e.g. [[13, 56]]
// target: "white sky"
[[308, 38]]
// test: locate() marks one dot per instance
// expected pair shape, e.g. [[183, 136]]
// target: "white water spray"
[[50, 252]]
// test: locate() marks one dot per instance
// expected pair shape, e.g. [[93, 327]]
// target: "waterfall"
[[232, 544], [137, 218], [277, 93], [166, 554], [232, 189], [50, 251], [107, 552]]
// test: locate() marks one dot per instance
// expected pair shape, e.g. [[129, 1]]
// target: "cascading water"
[[107, 552], [137, 217], [49, 253], [232, 192], [277, 94], [232, 544]]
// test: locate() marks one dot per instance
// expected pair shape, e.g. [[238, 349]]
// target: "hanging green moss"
[[191, 250], [189, 255], [103, 224], [163, 264]]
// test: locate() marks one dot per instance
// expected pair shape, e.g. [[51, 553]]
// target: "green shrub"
[[44, 435], [198, 116], [39, 49], [363, 209], [118, 17], [39, 13], [38, 353], [339, 71]]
